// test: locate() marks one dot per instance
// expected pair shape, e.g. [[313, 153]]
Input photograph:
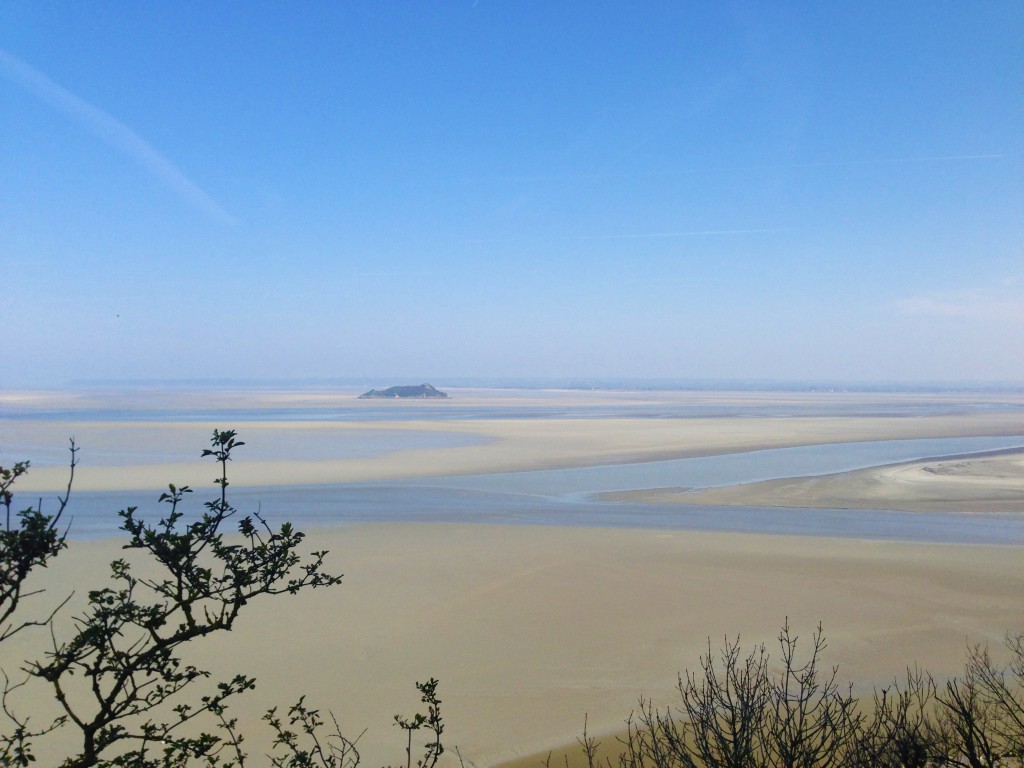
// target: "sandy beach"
[[532, 629]]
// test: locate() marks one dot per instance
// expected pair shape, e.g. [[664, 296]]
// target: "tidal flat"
[[533, 623]]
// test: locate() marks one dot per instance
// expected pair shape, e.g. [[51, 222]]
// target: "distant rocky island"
[[421, 391]]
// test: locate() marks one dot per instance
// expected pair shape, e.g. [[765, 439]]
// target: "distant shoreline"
[[553, 383]]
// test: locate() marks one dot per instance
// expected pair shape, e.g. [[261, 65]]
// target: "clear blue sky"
[[413, 191]]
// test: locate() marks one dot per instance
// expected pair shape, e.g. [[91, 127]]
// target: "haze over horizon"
[[489, 190]]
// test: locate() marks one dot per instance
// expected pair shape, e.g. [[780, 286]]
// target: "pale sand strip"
[[529, 629], [963, 485], [512, 445]]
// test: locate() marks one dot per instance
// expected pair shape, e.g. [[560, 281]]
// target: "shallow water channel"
[[567, 497]]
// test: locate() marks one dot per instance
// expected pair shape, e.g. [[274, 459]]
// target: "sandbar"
[[964, 485], [499, 444]]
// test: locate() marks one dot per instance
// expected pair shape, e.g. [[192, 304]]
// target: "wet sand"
[[531, 629]]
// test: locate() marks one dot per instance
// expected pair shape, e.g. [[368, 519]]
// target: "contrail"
[[637, 235], [733, 168], [112, 132], [392, 274], [892, 160], [684, 233]]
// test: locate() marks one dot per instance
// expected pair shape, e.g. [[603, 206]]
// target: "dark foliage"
[[735, 713], [27, 542]]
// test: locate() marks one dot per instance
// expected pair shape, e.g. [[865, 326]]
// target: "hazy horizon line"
[[638, 383]]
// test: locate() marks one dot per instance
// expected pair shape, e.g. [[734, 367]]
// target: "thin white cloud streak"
[[392, 274], [737, 168], [973, 304], [687, 233], [112, 132], [638, 235]]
